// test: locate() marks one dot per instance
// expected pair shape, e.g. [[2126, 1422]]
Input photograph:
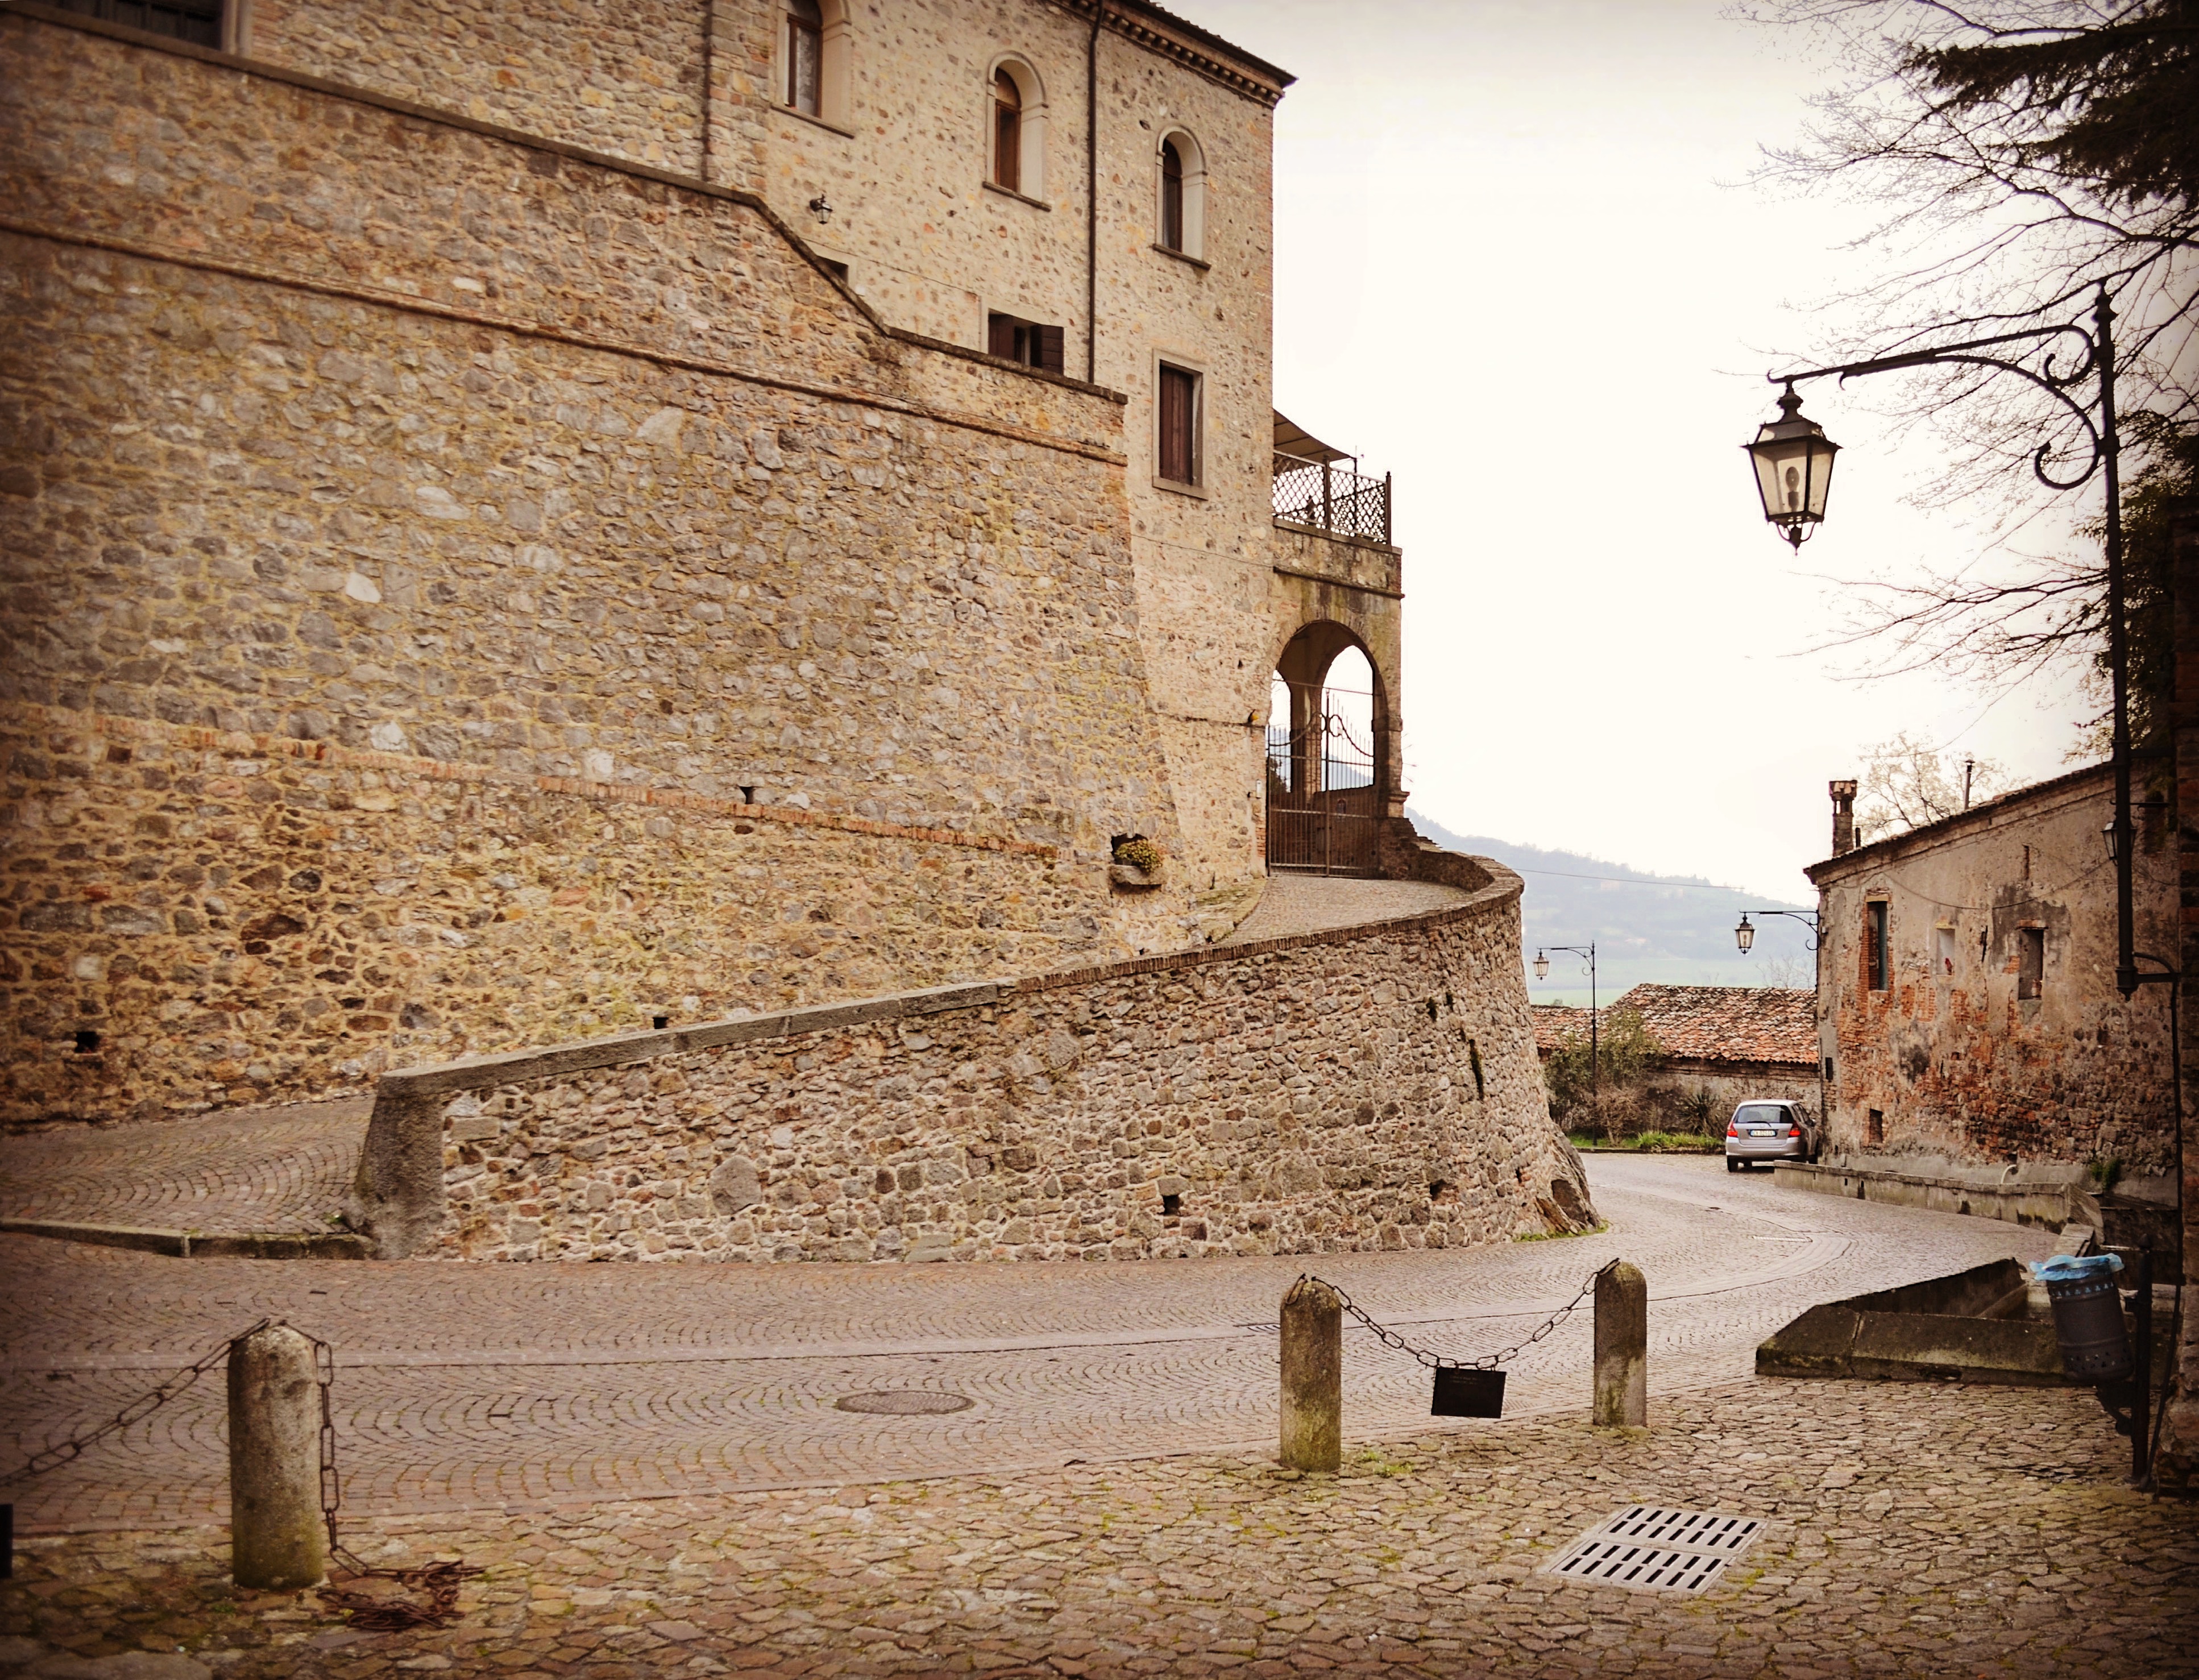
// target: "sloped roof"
[[1726, 1023], [1553, 1021]]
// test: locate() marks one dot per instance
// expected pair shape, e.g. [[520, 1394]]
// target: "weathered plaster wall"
[[1958, 1065], [1309, 1096], [377, 438], [1729, 1084]]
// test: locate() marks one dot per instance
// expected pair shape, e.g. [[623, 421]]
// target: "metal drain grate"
[[1658, 1548]]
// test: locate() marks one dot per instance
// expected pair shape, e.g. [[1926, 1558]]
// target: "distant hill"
[[1677, 929]]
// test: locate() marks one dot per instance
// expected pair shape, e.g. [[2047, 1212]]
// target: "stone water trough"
[[1981, 1326]]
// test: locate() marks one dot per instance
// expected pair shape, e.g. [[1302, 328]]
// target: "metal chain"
[[137, 1410], [1436, 1362], [325, 1374]]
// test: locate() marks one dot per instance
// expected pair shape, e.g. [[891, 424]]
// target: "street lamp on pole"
[[1542, 972], [1744, 935], [1794, 458]]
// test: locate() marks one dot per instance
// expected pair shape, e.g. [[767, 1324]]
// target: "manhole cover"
[[1657, 1548], [905, 1402]]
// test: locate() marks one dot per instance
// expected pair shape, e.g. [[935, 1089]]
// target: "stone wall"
[[413, 531], [1372, 1087], [1961, 1068]]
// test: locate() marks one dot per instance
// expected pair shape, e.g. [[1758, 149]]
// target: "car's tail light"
[[1794, 1131], [1731, 1130]]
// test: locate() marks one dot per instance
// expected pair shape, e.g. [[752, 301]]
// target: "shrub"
[[1626, 1054], [1139, 853]]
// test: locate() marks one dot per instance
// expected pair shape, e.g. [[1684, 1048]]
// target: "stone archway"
[[1327, 755]]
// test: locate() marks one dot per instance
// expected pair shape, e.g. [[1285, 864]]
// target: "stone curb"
[[201, 1245]]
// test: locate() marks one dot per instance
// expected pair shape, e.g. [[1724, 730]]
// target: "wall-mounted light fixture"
[[821, 207]]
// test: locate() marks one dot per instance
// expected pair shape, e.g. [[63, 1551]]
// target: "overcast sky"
[[1518, 266]]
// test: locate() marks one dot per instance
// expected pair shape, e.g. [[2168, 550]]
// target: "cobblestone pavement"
[[517, 1387], [1912, 1530], [269, 1169], [1291, 904]]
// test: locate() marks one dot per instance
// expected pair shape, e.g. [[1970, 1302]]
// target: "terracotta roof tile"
[[1726, 1024], [1553, 1021]]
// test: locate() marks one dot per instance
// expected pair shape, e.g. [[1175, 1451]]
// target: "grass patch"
[[1656, 1143], [1601, 1226]]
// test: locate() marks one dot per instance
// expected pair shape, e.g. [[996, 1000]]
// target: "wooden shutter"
[[1178, 420], [1001, 336], [1007, 133], [1171, 196], [1049, 348]]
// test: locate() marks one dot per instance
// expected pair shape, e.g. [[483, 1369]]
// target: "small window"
[[1029, 342], [1179, 425], [198, 21], [1946, 954], [805, 57], [1873, 944], [835, 268], [1171, 195], [2030, 962], [1007, 132], [1874, 1127]]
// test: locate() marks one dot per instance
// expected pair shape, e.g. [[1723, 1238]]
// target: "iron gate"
[[1321, 795]]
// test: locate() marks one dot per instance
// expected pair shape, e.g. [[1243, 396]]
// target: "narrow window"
[[198, 21], [1007, 132], [1029, 342], [1171, 195], [1873, 944], [1874, 1129], [2030, 962], [805, 54], [1179, 422], [1946, 953]]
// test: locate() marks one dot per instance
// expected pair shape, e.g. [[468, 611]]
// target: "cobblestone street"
[[519, 1386], [1912, 1530]]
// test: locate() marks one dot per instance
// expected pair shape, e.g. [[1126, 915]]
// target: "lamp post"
[[1794, 461], [1542, 972], [1744, 935]]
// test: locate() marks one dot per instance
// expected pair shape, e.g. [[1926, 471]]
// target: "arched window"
[[1007, 131], [805, 57], [1181, 222], [1171, 195]]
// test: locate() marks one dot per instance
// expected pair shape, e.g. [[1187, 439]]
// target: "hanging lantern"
[[1794, 461]]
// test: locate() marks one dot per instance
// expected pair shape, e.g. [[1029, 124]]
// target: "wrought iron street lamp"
[[1793, 461], [1542, 972], [1793, 478], [1744, 936]]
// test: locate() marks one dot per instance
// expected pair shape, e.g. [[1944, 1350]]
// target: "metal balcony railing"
[[1327, 496]]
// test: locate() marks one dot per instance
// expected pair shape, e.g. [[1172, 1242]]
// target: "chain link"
[[1436, 1362], [53, 1457]]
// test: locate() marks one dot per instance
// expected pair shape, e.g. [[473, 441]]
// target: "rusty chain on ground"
[[1436, 1362], [437, 1582]]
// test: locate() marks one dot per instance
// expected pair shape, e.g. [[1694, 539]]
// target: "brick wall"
[[1374, 1088]]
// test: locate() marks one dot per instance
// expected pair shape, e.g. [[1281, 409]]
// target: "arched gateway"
[[1327, 759]]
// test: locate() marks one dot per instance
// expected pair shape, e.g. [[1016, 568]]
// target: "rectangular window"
[[2030, 962], [1179, 425], [1874, 1127], [805, 56], [1873, 944], [1025, 341], [1946, 954], [198, 21]]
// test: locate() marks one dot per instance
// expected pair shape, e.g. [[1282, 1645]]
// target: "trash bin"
[[2088, 1314]]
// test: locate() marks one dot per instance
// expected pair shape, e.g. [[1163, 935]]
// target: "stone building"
[[524, 525], [464, 431], [1968, 1003]]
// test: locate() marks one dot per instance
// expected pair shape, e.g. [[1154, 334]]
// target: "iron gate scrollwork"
[[1323, 801]]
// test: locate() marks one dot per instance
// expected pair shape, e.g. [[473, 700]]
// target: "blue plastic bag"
[[2075, 1268]]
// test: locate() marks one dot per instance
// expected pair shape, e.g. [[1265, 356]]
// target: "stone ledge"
[[201, 1245], [1985, 1193]]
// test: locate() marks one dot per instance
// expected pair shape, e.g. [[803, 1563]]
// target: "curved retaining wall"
[[1367, 1087]]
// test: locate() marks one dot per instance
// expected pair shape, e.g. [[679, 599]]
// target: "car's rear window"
[[1760, 1114]]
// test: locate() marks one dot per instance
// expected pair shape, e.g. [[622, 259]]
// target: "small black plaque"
[[1462, 1393]]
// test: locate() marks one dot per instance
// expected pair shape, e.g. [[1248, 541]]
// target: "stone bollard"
[[1313, 1377], [276, 1535], [1622, 1349]]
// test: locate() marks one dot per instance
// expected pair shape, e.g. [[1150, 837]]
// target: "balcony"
[[1314, 491]]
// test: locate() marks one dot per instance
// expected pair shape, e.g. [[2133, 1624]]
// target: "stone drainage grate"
[[1658, 1548]]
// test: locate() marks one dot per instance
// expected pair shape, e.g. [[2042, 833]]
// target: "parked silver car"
[[1769, 1131]]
